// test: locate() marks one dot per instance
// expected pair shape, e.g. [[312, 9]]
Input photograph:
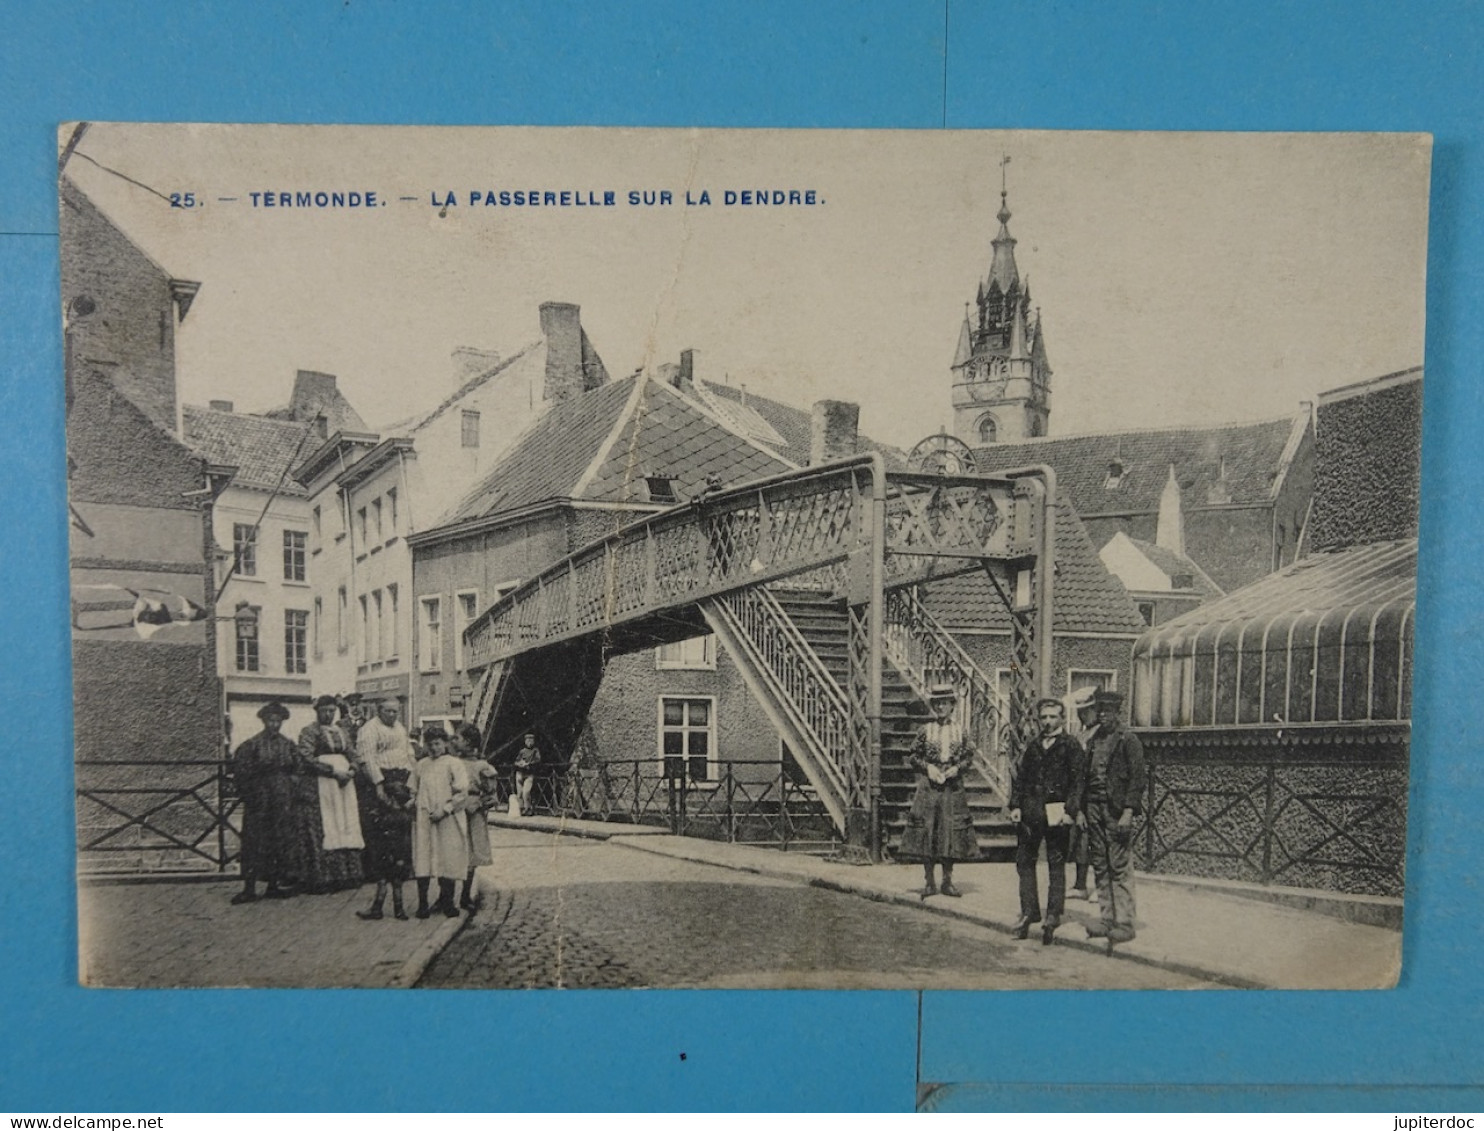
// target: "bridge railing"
[[816, 522]]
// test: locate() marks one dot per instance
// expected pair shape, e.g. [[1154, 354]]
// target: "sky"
[[1183, 279]]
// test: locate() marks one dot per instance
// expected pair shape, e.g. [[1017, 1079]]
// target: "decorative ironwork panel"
[[1333, 826]]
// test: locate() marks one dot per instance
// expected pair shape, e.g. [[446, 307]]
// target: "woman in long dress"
[[480, 784], [940, 827], [330, 819], [440, 845]]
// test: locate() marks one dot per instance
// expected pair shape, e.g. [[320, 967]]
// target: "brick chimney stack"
[[833, 426], [561, 326], [687, 367]]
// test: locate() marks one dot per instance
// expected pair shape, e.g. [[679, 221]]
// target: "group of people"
[[354, 802], [1078, 798]]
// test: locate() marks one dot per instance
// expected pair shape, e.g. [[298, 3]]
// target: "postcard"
[[544, 558]]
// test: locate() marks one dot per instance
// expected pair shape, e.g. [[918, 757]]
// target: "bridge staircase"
[[814, 621]]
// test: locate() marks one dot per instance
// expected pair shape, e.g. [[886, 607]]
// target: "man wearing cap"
[[1112, 798], [1045, 790], [1082, 720], [263, 768]]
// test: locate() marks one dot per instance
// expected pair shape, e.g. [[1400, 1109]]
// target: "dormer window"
[[661, 489], [1182, 581], [1116, 472]]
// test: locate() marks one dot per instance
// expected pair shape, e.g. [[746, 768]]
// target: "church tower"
[[1001, 379]]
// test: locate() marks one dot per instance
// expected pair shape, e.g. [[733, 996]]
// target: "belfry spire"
[[1001, 379]]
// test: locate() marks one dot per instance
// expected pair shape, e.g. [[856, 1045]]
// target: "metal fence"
[[1327, 816], [161, 815], [739, 801]]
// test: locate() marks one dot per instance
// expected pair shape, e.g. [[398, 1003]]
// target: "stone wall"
[[1368, 466]]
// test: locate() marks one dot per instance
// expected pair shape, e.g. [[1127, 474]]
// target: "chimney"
[[687, 366], [221, 406], [832, 430], [561, 326], [668, 373], [469, 362]]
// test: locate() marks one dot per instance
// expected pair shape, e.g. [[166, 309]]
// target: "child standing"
[[439, 832], [480, 779]]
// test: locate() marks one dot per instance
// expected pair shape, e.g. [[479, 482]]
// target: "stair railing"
[[929, 657], [804, 688]]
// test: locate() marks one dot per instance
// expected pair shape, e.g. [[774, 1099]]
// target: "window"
[[469, 432], [319, 620], [378, 635], [364, 652], [988, 430], [247, 641], [391, 639], [295, 641], [245, 550], [318, 529], [1104, 679], [391, 509], [376, 519], [687, 738], [1116, 472], [341, 612], [697, 652], [430, 642], [361, 517], [294, 542], [1146, 611], [466, 608], [661, 488]]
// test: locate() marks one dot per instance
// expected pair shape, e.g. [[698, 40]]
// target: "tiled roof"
[[793, 424], [550, 459], [1252, 455], [1173, 565], [599, 447], [1085, 596], [261, 449], [666, 434]]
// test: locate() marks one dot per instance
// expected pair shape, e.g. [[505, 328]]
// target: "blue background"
[[1248, 66]]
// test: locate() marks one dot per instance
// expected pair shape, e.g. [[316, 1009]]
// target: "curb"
[[1174, 966], [411, 971]]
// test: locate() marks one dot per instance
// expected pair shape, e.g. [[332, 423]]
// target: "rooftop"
[[262, 449]]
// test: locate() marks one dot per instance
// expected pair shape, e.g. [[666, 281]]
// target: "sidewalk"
[[1183, 927], [188, 934]]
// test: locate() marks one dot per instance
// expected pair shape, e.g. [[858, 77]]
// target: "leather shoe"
[[1047, 932], [1023, 927], [1098, 930], [948, 888], [374, 913], [423, 912], [1121, 934], [399, 913], [244, 897], [928, 889]]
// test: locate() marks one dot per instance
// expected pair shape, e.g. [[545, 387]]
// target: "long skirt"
[[322, 869], [271, 848], [939, 824], [479, 839]]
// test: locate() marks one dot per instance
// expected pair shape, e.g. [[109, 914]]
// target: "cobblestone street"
[[582, 913]]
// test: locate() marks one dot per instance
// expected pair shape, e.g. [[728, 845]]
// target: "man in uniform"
[[1045, 790], [1113, 797]]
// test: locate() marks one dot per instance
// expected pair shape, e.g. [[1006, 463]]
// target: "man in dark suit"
[[1112, 798], [1045, 791]]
